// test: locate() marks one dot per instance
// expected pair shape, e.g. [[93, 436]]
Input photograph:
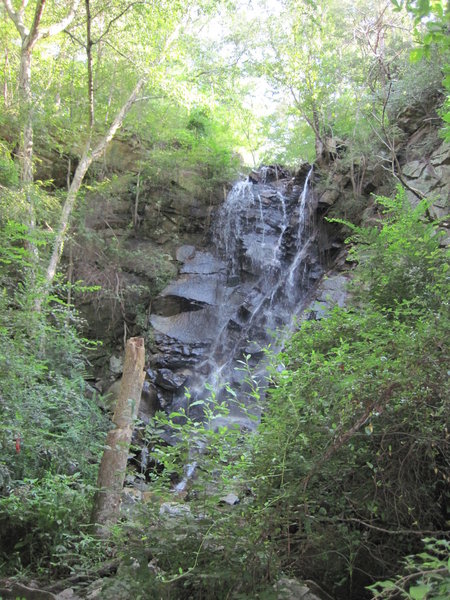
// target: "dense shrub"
[[50, 432], [351, 455], [348, 469]]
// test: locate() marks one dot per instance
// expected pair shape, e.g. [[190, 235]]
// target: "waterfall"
[[303, 235], [230, 297]]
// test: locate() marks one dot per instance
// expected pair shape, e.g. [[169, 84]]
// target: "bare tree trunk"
[[26, 151], [89, 64], [136, 202], [26, 145], [111, 474], [5, 81]]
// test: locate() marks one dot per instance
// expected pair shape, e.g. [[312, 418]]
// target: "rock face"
[[424, 161], [331, 292], [126, 242], [429, 173], [292, 589], [262, 259]]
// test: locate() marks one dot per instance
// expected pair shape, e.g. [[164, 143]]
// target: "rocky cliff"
[[138, 235]]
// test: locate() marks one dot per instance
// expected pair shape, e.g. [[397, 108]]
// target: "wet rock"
[[167, 306], [163, 400], [200, 288], [174, 509], [185, 253], [253, 348], [292, 589], [116, 365], [302, 171], [149, 402], [198, 326], [230, 499], [203, 263], [234, 325], [260, 269], [170, 381]]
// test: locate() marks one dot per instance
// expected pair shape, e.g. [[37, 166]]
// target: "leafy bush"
[[50, 432], [348, 470], [400, 262], [350, 455], [41, 524], [426, 575], [204, 548], [8, 170]]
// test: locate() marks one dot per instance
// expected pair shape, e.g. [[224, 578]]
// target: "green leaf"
[[419, 592], [197, 403], [385, 585], [416, 55]]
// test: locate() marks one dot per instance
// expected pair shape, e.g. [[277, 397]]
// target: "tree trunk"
[[26, 150], [68, 205], [29, 38], [111, 474], [26, 145]]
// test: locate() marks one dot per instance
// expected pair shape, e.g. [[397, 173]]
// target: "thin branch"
[[396, 168], [89, 44], [421, 533], [172, 37], [144, 98], [343, 437], [110, 24], [127, 58], [116, 124], [73, 37]]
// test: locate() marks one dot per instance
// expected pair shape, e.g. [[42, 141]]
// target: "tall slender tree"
[[29, 25]]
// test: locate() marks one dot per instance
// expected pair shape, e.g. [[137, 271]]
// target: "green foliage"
[[432, 22], [41, 526], [400, 262], [8, 170], [43, 400], [50, 432], [350, 455], [203, 548], [198, 141], [426, 575], [416, 84]]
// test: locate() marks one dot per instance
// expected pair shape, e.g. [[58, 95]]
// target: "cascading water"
[[227, 301]]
